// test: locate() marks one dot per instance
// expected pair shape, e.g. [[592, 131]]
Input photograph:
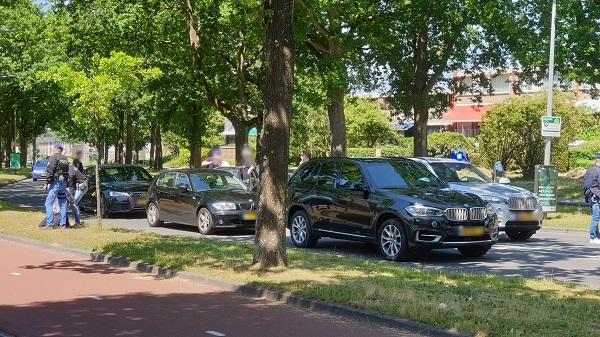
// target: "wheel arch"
[[386, 215], [293, 209]]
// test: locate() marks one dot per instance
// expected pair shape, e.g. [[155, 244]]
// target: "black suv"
[[396, 203]]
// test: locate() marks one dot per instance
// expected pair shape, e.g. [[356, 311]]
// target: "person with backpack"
[[591, 190]]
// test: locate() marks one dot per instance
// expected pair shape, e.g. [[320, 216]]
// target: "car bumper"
[[133, 203], [234, 219], [448, 234], [523, 220]]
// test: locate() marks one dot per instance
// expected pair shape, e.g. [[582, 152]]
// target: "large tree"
[[421, 43], [333, 45], [269, 244]]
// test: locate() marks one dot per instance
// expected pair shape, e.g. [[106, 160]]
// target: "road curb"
[[247, 290]]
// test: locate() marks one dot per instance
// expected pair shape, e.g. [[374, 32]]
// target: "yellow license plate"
[[141, 202], [249, 216], [526, 217], [470, 231]]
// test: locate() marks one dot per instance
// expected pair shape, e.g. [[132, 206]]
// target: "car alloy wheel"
[[153, 215], [205, 222], [301, 231], [392, 240]]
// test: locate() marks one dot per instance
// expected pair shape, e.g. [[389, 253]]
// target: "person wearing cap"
[[56, 185], [216, 160], [591, 188]]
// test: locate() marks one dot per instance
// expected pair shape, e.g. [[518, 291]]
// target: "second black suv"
[[397, 204]]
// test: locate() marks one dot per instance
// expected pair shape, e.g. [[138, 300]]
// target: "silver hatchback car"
[[519, 213]]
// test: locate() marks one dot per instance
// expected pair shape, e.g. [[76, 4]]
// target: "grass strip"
[[485, 305], [8, 176]]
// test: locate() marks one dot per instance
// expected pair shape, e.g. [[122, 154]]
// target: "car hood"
[[127, 186], [231, 195], [493, 189], [441, 198]]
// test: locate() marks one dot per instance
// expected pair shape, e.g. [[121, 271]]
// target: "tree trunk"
[[152, 144], [101, 146], [33, 151], [129, 139], [106, 148], [158, 148], [195, 160], [269, 244], [120, 141], [337, 122], [241, 139], [421, 115], [420, 92], [23, 149], [1, 153]]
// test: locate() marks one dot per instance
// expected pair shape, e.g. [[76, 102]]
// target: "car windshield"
[[401, 174], [41, 163], [454, 172], [124, 173], [216, 181]]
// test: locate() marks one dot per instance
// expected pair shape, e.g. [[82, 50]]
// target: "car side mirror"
[[182, 188], [503, 181]]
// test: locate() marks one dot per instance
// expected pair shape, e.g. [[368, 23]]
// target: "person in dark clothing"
[[78, 186], [77, 160], [591, 188], [57, 178]]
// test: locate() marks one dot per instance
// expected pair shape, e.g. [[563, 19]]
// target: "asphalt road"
[[554, 254], [46, 293]]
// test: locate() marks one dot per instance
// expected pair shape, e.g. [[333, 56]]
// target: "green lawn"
[[568, 187], [484, 305], [8, 176], [569, 217]]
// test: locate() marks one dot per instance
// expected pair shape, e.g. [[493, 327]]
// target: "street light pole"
[[550, 85]]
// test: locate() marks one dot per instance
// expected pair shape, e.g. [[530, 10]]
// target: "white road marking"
[[215, 333], [16, 274], [97, 298]]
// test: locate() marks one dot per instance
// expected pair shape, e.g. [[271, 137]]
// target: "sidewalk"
[[46, 293]]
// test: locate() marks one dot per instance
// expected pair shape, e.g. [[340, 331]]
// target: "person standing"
[[591, 190], [78, 186], [215, 160], [304, 157], [77, 160], [56, 185]]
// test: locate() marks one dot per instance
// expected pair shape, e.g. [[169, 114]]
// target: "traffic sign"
[[15, 160], [546, 186], [551, 126]]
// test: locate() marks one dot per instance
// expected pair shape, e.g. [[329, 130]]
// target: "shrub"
[[583, 156], [361, 152], [441, 143], [511, 132]]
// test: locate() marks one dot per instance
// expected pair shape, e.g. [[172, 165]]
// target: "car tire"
[[392, 241], [301, 231], [474, 251], [520, 235], [206, 224], [104, 210], [153, 215]]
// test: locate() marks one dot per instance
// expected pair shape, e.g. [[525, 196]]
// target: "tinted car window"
[[350, 176], [216, 181], [459, 172], [325, 176], [304, 175], [124, 173], [41, 164], [167, 180], [401, 174], [183, 179]]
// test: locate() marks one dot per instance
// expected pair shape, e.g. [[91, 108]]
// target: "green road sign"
[[546, 184], [551, 126], [15, 160]]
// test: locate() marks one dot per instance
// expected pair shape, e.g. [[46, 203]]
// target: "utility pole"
[[550, 85]]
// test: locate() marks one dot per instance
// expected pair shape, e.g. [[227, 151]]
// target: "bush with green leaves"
[[583, 156], [511, 132], [439, 144]]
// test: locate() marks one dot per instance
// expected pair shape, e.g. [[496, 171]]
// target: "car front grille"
[[464, 214], [247, 206], [477, 213], [457, 214], [520, 203]]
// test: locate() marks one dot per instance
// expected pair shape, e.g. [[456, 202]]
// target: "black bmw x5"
[[394, 203]]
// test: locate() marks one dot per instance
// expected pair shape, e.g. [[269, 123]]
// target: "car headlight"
[[420, 210], [118, 194], [224, 206], [493, 199]]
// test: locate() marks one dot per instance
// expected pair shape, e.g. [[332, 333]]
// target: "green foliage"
[[583, 156], [309, 131], [441, 143], [366, 125], [511, 132]]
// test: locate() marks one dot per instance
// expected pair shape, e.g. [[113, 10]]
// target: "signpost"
[[546, 184], [551, 126], [15, 161]]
